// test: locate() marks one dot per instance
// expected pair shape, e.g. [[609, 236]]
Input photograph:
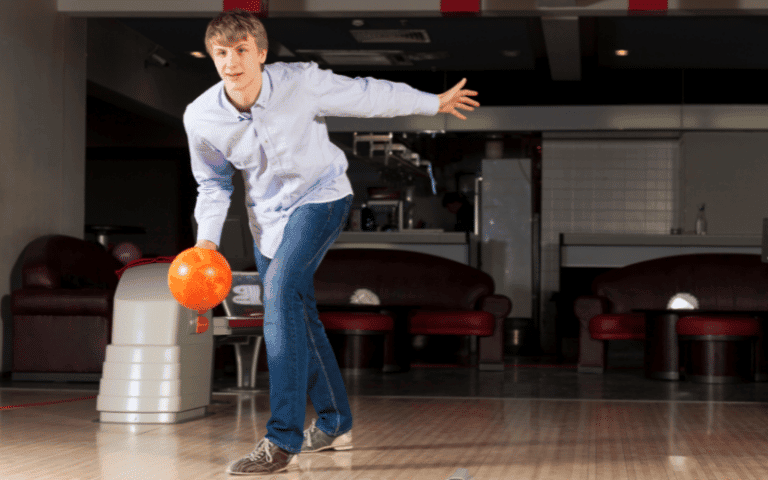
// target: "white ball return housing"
[[157, 368]]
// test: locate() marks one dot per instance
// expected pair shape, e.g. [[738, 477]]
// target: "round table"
[[662, 354]]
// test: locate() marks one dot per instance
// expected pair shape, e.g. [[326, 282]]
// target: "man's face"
[[239, 64]]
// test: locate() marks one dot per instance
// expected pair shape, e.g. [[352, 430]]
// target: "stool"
[[715, 348], [459, 323], [617, 326], [357, 339], [609, 326]]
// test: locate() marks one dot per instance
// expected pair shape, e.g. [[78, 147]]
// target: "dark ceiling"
[[672, 59]]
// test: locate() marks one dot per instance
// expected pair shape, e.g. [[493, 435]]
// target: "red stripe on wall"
[[41, 404], [648, 5], [459, 7], [259, 7]]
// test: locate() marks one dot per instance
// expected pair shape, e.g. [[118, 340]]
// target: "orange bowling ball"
[[199, 278]]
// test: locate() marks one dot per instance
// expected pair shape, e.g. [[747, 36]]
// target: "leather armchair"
[[62, 314]]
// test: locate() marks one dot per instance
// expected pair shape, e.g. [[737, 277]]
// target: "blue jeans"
[[299, 356]]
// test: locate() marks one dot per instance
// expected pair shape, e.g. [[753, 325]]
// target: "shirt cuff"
[[210, 232], [429, 104]]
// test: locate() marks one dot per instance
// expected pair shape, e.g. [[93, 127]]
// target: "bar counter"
[[457, 246], [611, 250]]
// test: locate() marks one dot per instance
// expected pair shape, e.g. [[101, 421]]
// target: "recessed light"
[[197, 54], [622, 53], [510, 53]]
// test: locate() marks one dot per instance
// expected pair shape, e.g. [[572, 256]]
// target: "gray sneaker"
[[315, 440], [265, 458]]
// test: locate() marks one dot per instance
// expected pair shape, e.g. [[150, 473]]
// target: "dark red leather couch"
[[719, 281], [412, 282], [62, 314]]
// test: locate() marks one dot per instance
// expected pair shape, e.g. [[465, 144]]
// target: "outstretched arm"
[[457, 98]]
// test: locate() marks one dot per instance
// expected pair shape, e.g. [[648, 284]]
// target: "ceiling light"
[[197, 54], [622, 53], [358, 23], [510, 53]]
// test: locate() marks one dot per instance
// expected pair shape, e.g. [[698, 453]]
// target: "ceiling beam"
[[627, 118], [562, 41], [402, 8]]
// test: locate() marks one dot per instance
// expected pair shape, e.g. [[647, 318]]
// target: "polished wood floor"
[[396, 438]]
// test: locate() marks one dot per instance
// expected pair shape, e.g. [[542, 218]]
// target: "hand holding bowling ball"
[[199, 278]]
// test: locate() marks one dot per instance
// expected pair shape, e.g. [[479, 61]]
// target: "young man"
[[268, 122]]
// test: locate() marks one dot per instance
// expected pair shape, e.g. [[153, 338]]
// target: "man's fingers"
[[467, 101], [458, 98], [456, 90]]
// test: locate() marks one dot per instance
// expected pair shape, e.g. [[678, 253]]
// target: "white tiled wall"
[[602, 186]]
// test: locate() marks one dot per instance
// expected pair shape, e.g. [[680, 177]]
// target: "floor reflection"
[[525, 422]]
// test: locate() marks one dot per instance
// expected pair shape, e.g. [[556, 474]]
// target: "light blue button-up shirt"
[[282, 145]]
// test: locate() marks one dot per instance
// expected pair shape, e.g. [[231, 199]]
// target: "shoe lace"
[[308, 433], [261, 451]]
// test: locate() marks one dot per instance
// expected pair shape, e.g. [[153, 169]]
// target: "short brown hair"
[[234, 25]]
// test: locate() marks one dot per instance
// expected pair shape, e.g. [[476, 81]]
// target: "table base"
[[662, 355]]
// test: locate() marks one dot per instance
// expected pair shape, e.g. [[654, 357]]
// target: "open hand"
[[457, 98]]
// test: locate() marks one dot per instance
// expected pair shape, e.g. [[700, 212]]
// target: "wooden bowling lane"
[[399, 438]]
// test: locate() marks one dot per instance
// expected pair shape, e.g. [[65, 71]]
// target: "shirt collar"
[[266, 89], [225, 103]]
